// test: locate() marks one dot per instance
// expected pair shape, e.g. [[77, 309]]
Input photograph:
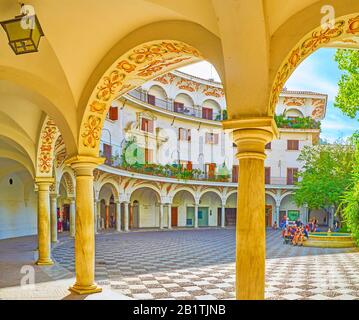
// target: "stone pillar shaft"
[[251, 135], [223, 215], [196, 215], [118, 216], [53, 211], [43, 221], [161, 216], [169, 213], [72, 217], [85, 236], [126, 217]]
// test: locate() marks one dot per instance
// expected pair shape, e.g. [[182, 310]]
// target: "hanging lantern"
[[24, 31]]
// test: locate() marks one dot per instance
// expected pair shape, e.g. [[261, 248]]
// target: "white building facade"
[[175, 120], [170, 164]]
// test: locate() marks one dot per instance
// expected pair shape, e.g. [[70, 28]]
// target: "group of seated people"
[[295, 235]]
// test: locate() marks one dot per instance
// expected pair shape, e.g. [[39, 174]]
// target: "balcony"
[[172, 106], [181, 172], [296, 123]]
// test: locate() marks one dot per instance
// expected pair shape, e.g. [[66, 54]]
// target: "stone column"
[[196, 215], [161, 216], [53, 212], [43, 221], [169, 215], [277, 208], [85, 236], [118, 216], [126, 217], [72, 217], [251, 135], [95, 216], [223, 215], [98, 205], [107, 211]]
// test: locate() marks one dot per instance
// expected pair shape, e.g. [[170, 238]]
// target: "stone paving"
[[188, 264]]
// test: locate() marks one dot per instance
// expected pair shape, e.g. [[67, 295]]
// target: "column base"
[[44, 262], [78, 289]]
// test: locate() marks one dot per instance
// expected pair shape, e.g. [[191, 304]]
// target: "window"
[[207, 113], [210, 169], [148, 155], [107, 152], [211, 138], [147, 125], [184, 134], [113, 113], [292, 144], [151, 99], [186, 165], [292, 177], [267, 175], [268, 146], [235, 173], [178, 107]]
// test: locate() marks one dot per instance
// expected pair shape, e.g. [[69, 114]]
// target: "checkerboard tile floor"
[[199, 264]]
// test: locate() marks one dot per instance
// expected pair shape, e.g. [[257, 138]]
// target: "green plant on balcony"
[[296, 123]]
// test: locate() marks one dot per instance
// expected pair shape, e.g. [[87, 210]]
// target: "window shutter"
[[207, 113], [189, 134], [143, 124], [113, 113], [235, 173], [107, 150], [267, 175], [207, 137], [295, 177], [189, 165], [151, 99], [150, 126], [178, 107], [290, 172]]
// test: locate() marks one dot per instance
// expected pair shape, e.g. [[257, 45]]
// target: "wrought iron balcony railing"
[[170, 105]]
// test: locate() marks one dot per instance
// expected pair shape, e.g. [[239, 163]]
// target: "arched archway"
[[183, 203], [289, 208], [108, 192], [158, 92], [145, 204], [18, 200], [210, 206], [231, 208], [270, 209], [341, 34]]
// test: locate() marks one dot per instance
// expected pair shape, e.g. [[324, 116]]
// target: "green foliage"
[[297, 123], [326, 175], [350, 199], [348, 95]]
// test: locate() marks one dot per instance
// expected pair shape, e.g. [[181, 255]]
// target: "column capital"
[[44, 183], [251, 135], [84, 165]]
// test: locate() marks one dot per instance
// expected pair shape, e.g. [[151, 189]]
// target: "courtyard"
[[180, 264]]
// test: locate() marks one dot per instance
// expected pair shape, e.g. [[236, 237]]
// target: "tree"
[[348, 95], [350, 201], [325, 176]]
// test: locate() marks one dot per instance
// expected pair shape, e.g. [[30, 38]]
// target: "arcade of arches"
[[54, 103]]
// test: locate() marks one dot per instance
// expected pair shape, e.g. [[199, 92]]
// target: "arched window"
[[183, 103], [155, 95], [211, 110], [293, 113]]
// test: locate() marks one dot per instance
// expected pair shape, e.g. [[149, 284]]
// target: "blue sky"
[[319, 73]]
